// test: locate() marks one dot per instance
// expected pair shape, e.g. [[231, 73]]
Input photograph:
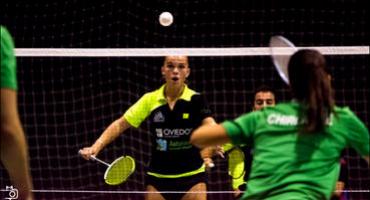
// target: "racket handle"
[[208, 162], [97, 159], [211, 165]]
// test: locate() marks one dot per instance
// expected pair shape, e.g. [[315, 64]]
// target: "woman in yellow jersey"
[[174, 111]]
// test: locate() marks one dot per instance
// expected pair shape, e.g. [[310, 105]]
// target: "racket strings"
[[119, 170], [236, 163]]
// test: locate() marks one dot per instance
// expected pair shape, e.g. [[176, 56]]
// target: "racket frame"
[[287, 50]]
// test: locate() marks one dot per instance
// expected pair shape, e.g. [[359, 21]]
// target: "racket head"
[[119, 170], [236, 163], [281, 50]]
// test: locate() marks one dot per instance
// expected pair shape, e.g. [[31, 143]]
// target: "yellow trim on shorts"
[[186, 174]]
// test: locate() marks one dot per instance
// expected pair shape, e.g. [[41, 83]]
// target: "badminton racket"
[[236, 163], [118, 171], [281, 51]]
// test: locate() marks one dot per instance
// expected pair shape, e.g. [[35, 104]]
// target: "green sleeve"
[[241, 129], [358, 135], [8, 61], [233, 131]]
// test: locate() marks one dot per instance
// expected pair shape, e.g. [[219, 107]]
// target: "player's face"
[[176, 69], [263, 99]]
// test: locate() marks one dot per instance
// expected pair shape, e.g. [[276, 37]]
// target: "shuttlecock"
[[165, 19]]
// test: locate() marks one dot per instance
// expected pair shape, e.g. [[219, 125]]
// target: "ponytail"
[[310, 84]]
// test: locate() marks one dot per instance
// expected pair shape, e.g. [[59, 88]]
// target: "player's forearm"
[[211, 151], [14, 157], [206, 136], [367, 160], [115, 129]]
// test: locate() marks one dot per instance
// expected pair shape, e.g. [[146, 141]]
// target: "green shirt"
[[289, 165], [8, 61]]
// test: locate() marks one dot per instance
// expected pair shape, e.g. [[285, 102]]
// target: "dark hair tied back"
[[310, 84]]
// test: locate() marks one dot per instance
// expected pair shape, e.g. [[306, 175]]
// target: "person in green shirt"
[[13, 145], [297, 145]]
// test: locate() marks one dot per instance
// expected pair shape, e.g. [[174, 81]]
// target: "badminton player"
[[263, 96], [13, 146], [297, 145], [174, 111]]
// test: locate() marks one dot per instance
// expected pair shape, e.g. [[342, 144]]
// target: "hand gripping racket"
[[119, 170], [281, 51]]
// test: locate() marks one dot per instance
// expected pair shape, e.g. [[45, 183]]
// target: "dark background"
[[65, 103]]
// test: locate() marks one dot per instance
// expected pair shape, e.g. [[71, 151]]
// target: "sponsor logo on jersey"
[[158, 117], [161, 145], [185, 115], [205, 111], [179, 145], [159, 132], [172, 133]]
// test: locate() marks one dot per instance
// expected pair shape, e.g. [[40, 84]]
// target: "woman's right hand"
[[87, 152]]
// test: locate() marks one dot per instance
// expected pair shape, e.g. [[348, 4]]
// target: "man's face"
[[263, 99]]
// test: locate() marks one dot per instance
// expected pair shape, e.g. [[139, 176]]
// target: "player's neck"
[[173, 92]]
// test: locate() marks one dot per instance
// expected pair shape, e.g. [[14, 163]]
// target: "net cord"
[[159, 52]]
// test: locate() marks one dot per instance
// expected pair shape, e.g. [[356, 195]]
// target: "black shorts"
[[182, 184]]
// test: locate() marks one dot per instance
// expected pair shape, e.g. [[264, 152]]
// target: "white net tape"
[[157, 52]]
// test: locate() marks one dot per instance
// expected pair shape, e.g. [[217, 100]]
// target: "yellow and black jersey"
[[172, 154]]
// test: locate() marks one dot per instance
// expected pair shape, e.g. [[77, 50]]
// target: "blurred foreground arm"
[[208, 152], [206, 136], [13, 145]]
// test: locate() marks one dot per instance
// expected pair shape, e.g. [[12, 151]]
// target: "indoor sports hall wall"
[[66, 102]]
